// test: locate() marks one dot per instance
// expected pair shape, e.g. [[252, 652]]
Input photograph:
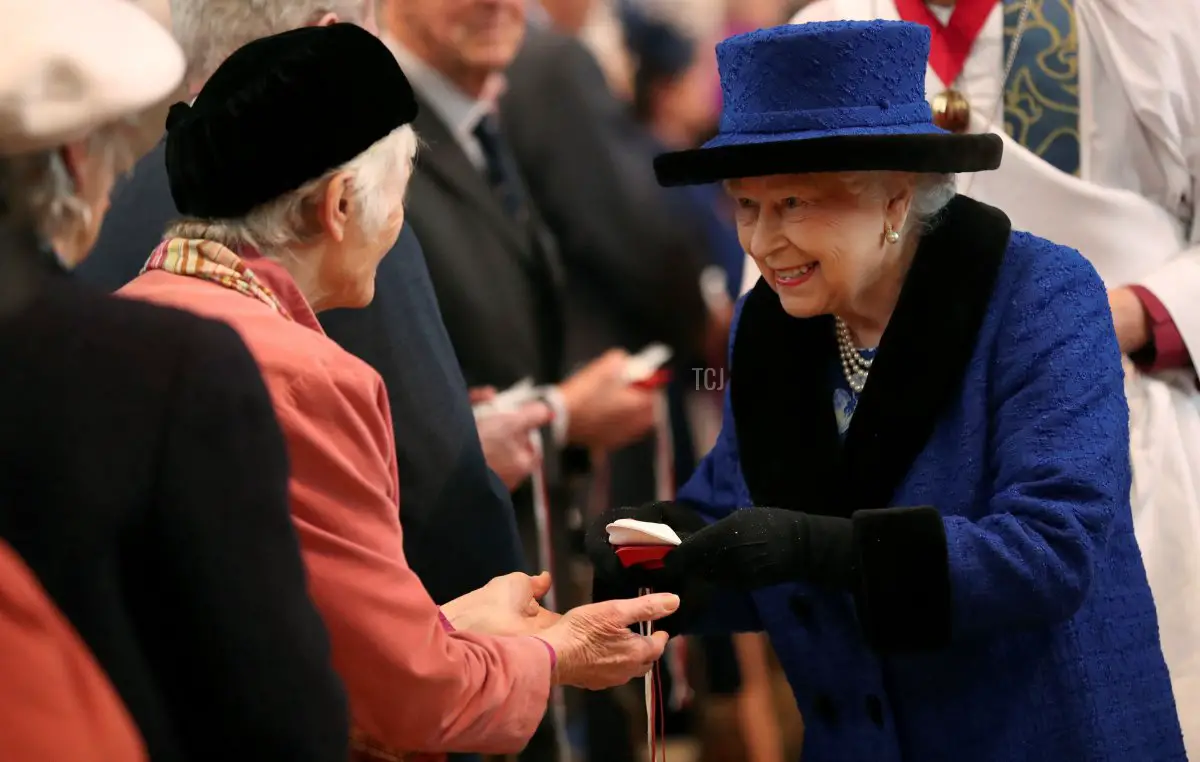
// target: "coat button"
[[875, 710], [825, 710], [802, 610]]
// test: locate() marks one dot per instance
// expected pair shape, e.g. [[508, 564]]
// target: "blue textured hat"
[[827, 97]]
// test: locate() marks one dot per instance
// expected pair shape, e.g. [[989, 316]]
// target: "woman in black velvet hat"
[[921, 489], [290, 172]]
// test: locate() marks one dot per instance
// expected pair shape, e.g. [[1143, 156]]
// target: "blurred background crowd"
[[539, 249]]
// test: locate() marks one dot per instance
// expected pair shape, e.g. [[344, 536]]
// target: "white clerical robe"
[[1133, 213]]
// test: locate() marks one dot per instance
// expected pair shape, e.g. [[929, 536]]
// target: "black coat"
[[444, 479], [143, 478], [498, 279]]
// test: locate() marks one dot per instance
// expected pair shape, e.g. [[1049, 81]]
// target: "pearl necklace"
[[854, 366]]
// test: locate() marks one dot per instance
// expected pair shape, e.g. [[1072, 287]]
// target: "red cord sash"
[[949, 44]]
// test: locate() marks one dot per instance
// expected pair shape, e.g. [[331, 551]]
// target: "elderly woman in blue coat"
[[921, 489]]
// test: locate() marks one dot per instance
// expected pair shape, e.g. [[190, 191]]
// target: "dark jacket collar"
[[446, 162], [790, 452]]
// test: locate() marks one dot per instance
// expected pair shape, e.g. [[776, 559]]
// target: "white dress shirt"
[[458, 111]]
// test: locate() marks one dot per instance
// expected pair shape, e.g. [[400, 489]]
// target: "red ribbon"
[[949, 44]]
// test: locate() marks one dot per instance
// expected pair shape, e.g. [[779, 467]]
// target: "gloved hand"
[[609, 573], [760, 547]]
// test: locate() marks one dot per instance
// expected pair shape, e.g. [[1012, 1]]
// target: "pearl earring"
[[890, 234]]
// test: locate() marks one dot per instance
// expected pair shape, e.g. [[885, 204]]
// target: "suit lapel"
[[446, 162], [780, 388]]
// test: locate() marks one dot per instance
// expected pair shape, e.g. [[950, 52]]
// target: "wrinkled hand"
[[597, 650], [507, 605], [606, 412], [1129, 319], [507, 444]]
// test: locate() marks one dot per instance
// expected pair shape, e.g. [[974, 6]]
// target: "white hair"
[[378, 181], [210, 30], [930, 192], [49, 194]]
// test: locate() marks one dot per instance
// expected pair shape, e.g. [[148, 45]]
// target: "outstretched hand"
[[597, 650], [507, 605]]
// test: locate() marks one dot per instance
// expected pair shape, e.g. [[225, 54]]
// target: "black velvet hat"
[[831, 96], [282, 111]]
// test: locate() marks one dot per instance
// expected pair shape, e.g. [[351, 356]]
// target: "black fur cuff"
[[903, 593]]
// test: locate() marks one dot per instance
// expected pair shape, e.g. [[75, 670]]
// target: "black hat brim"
[[938, 153]]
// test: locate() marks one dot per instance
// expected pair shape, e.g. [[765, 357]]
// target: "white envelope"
[[644, 364], [634, 532], [510, 399]]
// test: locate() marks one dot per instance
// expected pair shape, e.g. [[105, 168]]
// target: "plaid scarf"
[[209, 260]]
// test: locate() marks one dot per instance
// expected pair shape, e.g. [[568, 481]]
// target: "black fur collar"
[[787, 434]]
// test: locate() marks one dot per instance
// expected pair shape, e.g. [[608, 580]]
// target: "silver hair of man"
[[210, 30], [378, 179]]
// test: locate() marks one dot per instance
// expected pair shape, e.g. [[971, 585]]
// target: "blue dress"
[[845, 400], [1017, 624]]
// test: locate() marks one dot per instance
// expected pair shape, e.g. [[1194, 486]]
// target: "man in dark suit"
[[494, 262], [632, 267], [457, 515]]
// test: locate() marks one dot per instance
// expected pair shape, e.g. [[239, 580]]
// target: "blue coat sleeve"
[[1059, 466], [716, 489], [1060, 454]]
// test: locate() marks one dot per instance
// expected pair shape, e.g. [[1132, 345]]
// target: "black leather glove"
[[760, 547]]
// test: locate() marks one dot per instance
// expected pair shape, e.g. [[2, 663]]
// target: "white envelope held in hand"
[[508, 400], [634, 532], [644, 364]]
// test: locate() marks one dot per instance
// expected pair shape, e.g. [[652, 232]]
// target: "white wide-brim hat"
[[69, 66]]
